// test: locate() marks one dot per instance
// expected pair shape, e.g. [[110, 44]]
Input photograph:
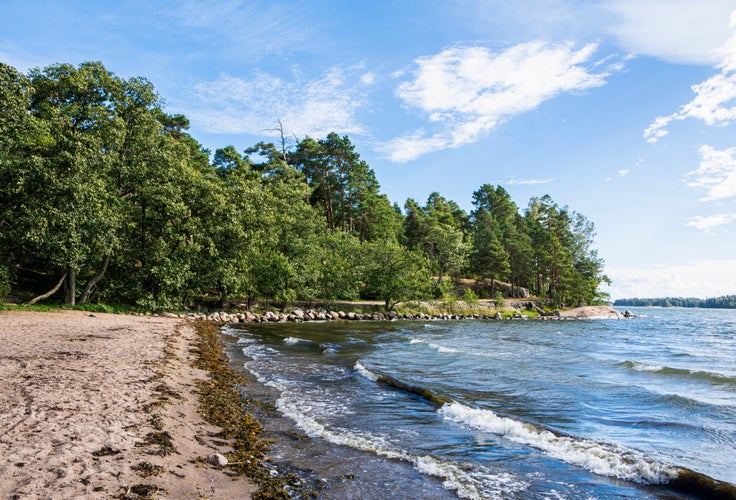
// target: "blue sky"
[[623, 110]]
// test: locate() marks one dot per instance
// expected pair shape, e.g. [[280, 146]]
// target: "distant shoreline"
[[722, 302]]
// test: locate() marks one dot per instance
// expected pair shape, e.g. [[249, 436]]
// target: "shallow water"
[[499, 409]]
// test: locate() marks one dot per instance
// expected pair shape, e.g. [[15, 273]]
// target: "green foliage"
[[723, 302], [439, 230], [5, 280], [106, 197], [394, 274], [498, 300], [470, 298]]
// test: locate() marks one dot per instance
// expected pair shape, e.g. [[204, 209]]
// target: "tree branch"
[[49, 293], [91, 283]]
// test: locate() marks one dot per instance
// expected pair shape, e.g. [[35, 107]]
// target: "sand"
[[85, 400]]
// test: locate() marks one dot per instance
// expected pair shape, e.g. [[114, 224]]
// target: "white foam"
[[643, 367], [442, 349], [601, 458], [296, 340], [365, 372], [359, 440], [437, 347], [473, 485], [480, 483]]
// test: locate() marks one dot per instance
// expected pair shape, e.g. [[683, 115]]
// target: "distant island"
[[725, 302]]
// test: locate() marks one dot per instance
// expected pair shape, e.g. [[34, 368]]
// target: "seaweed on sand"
[[221, 404]]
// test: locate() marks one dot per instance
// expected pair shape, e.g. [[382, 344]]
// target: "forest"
[[724, 302], [106, 198]]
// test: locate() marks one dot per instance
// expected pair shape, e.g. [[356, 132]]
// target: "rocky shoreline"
[[299, 316]]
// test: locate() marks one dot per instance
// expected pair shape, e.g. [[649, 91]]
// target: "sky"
[[621, 110]]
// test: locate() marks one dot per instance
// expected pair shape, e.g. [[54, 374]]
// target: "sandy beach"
[[100, 406]]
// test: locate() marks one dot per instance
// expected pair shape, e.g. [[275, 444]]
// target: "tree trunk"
[[91, 283], [49, 293], [71, 287]]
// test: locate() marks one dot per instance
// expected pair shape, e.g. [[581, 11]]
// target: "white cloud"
[[708, 222], [715, 98], [624, 172], [680, 31], [704, 278], [519, 182], [466, 91], [312, 107], [368, 78], [716, 173], [714, 104]]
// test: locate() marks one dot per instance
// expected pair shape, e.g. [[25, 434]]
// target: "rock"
[[217, 460], [592, 312]]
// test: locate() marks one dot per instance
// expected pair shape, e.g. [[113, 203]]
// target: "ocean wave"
[[365, 372], [716, 378], [600, 458], [296, 340], [437, 347], [472, 484]]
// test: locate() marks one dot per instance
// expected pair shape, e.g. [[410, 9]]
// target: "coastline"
[[102, 405], [298, 315]]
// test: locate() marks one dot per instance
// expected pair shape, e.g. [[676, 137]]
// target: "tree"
[[437, 229], [73, 222], [344, 187], [394, 274], [509, 232], [489, 257], [22, 139], [228, 160], [339, 267], [568, 269]]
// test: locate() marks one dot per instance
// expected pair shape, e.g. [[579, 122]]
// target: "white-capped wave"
[[472, 484], [436, 347], [480, 483], [365, 372], [443, 349], [601, 458], [643, 367], [296, 340]]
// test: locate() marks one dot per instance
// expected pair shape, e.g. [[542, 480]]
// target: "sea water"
[[499, 409]]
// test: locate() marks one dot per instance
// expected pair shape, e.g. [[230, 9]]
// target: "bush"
[[5, 279], [498, 300], [470, 298]]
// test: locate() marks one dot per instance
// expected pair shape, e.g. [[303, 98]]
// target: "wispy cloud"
[[521, 182], [466, 91], [715, 98], [708, 222], [255, 28], [306, 107], [716, 173], [702, 278], [649, 28]]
